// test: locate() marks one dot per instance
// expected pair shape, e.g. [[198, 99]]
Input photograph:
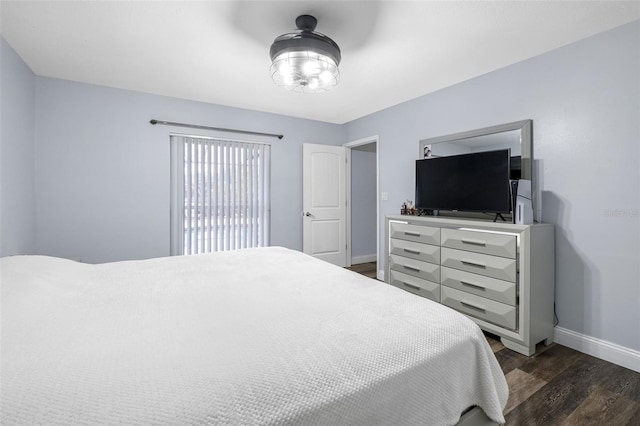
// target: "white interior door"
[[324, 202]]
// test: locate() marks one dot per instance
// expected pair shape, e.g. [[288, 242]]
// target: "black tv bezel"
[[507, 204]]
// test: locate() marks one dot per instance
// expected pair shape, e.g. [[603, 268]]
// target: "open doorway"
[[362, 213]]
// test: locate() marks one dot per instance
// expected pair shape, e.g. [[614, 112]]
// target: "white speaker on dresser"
[[522, 207]]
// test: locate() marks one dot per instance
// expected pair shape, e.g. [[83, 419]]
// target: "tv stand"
[[500, 275], [499, 215]]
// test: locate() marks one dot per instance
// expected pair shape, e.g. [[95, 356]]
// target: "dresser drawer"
[[480, 285], [419, 251], [416, 268], [490, 266], [416, 233], [418, 286], [479, 307], [480, 242]]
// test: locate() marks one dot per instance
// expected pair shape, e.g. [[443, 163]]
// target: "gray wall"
[[363, 203], [102, 171], [584, 100], [17, 196]]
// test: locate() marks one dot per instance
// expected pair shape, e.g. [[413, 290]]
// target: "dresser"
[[500, 275]]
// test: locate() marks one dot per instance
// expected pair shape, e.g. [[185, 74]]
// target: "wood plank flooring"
[[369, 269], [561, 386]]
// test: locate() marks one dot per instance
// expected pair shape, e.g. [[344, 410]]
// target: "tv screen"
[[477, 182]]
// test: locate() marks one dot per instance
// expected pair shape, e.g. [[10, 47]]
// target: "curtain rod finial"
[[153, 121]]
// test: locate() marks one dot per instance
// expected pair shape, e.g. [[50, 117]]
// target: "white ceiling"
[[218, 51]]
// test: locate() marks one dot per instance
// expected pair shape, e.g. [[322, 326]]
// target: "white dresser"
[[499, 274]]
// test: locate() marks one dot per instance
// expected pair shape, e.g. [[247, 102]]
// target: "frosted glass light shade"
[[306, 71], [305, 60]]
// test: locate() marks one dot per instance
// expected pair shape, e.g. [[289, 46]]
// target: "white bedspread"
[[258, 336]]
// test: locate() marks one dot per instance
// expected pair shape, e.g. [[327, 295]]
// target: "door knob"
[[308, 214]]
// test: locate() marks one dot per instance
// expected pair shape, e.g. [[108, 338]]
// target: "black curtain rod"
[[195, 126]]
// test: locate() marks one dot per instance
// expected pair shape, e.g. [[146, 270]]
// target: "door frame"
[[349, 145]]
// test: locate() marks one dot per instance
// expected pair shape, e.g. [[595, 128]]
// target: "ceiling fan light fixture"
[[305, 60]]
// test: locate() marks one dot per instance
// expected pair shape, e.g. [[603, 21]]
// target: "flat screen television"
[[477, 182]]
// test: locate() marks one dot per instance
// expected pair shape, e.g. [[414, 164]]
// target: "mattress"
[[264, 336]]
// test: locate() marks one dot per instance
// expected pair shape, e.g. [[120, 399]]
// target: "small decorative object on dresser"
[[500, 275], [408, 208]]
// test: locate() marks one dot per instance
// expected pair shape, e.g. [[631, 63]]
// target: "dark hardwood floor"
[[561, 386], [369, 269]]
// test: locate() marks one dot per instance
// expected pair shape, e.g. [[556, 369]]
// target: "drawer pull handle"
[[411, 268], [411, 286], [476, 264], [411, 251], [412, 234], [468, 284], [474, 243], [472, 306]]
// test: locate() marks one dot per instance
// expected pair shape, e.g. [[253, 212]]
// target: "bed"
[[264, 336]]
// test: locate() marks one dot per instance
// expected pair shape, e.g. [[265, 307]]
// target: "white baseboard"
[[363, 259], [598, 348]]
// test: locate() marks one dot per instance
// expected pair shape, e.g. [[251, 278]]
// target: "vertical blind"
[[220, 195]]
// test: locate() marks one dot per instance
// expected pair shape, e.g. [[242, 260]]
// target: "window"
[[219, 195]]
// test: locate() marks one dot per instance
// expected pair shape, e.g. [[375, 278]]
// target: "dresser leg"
[[524, 350]]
